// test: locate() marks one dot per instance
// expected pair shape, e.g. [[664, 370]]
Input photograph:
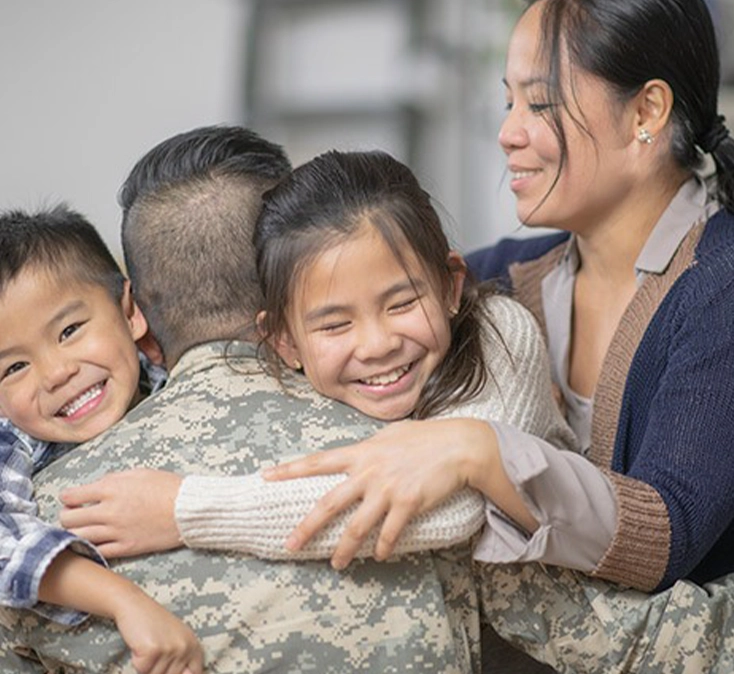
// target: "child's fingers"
[[365, 520], [96, 533], [320, 463], [395, 522], [77, 518], [74, 497]]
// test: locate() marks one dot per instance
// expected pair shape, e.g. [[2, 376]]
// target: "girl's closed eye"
[[405, 305], [337, 326]]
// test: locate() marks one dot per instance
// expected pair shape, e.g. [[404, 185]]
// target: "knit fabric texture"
[[663, 418]]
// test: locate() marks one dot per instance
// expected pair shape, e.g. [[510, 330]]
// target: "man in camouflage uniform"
[[188, 209]]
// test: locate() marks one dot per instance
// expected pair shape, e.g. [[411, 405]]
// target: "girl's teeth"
[[388, 378], [83, 399], [522, 174]]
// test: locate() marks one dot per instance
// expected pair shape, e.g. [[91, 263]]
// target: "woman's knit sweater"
[[663, 419]]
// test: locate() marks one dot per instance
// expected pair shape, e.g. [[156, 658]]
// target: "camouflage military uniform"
[[582, 625], [417, 613]]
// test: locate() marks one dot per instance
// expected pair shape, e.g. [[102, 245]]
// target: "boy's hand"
[[125, 514], [158, 641]]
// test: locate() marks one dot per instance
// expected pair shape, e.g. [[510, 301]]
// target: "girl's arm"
[[132, 512], [159, 642]]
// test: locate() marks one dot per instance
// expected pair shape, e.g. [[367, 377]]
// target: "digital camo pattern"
[[581, 625], [253, 615]]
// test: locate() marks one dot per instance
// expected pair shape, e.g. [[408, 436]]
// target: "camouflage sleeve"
[[582, 625], [249, 514]]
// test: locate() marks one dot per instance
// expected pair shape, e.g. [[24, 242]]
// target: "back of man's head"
[[188, 210]]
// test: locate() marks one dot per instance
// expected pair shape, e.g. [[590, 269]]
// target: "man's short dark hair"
[[189, 207], [59, 241]]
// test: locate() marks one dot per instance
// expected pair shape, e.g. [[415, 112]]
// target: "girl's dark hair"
[[630, 42], [326, 201]]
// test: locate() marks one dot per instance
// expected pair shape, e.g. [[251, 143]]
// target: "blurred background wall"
[[90, 85]]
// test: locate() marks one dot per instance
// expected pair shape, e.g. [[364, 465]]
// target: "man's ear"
[[282, 344], [135, 320], [457, 268]]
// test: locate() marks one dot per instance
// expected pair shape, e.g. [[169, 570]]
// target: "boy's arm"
[[156, 638], [28, 545]]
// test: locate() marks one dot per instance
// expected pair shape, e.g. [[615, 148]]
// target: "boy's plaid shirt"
[[27, 544]]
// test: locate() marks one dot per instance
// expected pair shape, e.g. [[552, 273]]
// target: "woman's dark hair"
[[630, 42], [326, 201]]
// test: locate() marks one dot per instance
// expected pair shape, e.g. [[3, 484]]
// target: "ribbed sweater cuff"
[[638, 554]]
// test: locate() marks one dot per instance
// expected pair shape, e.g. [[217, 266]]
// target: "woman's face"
[[596, 173]]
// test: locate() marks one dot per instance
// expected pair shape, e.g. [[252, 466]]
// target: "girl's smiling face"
[[368, 329]]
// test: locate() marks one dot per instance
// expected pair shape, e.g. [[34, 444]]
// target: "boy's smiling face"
[[68, 362]]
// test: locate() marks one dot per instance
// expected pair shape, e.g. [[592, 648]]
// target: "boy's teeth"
[[76, 404], [387, 378]]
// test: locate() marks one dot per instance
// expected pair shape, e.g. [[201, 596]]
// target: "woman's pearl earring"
[[644, 136], [297, 364]]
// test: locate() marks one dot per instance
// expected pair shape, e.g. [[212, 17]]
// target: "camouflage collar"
[[211, 353]]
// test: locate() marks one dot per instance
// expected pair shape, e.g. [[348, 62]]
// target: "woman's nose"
[[512, 131]]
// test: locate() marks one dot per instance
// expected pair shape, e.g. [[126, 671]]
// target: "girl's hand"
[[405, 469], [158, 641], [125, 514]]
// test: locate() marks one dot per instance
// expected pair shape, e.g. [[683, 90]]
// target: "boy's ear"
[[457, 268], [134, 317]]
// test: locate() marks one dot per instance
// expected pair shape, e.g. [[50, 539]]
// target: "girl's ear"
[[282, 344], [135, 320], [457, 268], [286, 348]]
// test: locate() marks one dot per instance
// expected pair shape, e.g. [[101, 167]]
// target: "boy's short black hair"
[[60, 241]]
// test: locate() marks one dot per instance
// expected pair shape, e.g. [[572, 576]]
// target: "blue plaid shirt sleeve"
[[27, 544]]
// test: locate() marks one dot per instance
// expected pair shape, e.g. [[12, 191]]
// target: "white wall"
[[87, 86]]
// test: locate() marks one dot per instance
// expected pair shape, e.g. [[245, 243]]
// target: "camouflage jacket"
[[221, 413]]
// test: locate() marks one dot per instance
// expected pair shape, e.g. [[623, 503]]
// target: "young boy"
[[69, 369]]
